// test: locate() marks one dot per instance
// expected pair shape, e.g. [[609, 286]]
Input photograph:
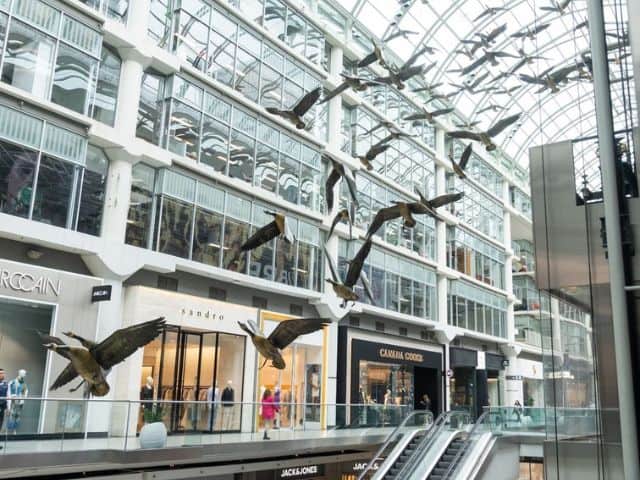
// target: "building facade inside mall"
[[137, 156]]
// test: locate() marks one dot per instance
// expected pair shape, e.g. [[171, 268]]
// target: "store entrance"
[[426, 381], [193, 366], [21, 348]]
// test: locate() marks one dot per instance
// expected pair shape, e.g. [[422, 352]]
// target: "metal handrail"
[[389, 439], [427, 442], [463, 451]]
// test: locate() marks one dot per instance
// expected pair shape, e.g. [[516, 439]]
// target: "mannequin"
[[227, 406], [146, 393], [276, 402], [18, 391], [213, 397]]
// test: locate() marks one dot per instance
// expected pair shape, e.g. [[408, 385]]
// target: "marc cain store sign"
[[20, 281]]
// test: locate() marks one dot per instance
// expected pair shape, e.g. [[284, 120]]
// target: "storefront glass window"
[[474, 308], [299, 384], [205, 367], [140, 206], [150, 109], [463, 389]]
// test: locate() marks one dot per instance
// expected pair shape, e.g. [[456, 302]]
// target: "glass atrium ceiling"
[[563, 39]]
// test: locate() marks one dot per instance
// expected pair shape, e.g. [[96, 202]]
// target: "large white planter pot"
[[153, 435]]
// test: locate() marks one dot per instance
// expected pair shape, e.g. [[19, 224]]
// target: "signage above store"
[[305, 471], [101, 293], [402, 355], [25, 282], [360, 466], [206, 313]]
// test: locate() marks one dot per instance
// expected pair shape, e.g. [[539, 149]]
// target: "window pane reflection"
[[215, 144], [175, 228], [241, 156], [28, 59], [184, 130], [53, 191], [74, 77], [235, 234], [207, 237], [17, 168]]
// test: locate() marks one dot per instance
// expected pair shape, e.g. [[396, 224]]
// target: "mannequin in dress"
[[146, 393], [18, 391], [228, 406], [213, 397]]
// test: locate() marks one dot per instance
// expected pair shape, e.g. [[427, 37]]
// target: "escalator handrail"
[[463, 451], [427, 442], [391, 436]]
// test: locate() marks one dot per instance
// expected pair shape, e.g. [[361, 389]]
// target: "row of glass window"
[[397, 284], [236, 56], [476, 309], [372, 196], [404, 162], [524, 288], [574, 339], [525, 250], [479, 170], [529, 331], [50, 174], [572, 312], [521, 201], [475, 257], [185, 118], [113, 9], [476, 208], [55, 57], [289, 26], [178, 215]]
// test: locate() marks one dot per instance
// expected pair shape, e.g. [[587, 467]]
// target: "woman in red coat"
[[269, 409]]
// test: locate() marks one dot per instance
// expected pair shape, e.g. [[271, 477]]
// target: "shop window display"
[[299, 386], [203, 367], [382, 385]]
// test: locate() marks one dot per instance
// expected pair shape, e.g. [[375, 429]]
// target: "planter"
[[153, 435]]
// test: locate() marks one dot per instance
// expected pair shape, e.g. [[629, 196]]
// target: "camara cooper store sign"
[[29, 283]]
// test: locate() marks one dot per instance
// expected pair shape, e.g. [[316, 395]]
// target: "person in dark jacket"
[[4, 390]]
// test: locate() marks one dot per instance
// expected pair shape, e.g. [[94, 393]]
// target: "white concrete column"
[[118, 192], [335, 104], [118, 189], [440, 142]]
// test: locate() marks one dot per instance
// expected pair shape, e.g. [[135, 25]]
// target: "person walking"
[[268, 412], [517, 410], [4, 391]]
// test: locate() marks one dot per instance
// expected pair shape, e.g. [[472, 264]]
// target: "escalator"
[[406, 453], [447, 458]]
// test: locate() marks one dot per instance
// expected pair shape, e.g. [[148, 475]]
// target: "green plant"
[[153, 414]]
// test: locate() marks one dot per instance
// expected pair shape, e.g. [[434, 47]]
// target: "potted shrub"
[[153, 433]]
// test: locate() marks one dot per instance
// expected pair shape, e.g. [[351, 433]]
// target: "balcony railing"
[[66, 425]]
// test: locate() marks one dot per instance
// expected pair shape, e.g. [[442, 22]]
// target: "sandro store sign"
[[28, 283]]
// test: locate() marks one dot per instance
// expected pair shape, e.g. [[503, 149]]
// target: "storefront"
[[462, 382], [352, 470], [494, 365], [202, 356], [300, 387], [32, 300], [476, 380], [373, 371]]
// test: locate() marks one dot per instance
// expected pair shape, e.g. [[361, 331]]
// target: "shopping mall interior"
[[319, 239]]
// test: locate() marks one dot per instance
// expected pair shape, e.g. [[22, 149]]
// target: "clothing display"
[[146, 393], [228, 408]]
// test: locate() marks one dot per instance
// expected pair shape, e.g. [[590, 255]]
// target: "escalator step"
[[435, 477], [439, 471], [448, 458]]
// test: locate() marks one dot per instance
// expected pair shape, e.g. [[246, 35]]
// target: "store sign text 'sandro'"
[[25, 282], [209, 314], [400, 355]]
